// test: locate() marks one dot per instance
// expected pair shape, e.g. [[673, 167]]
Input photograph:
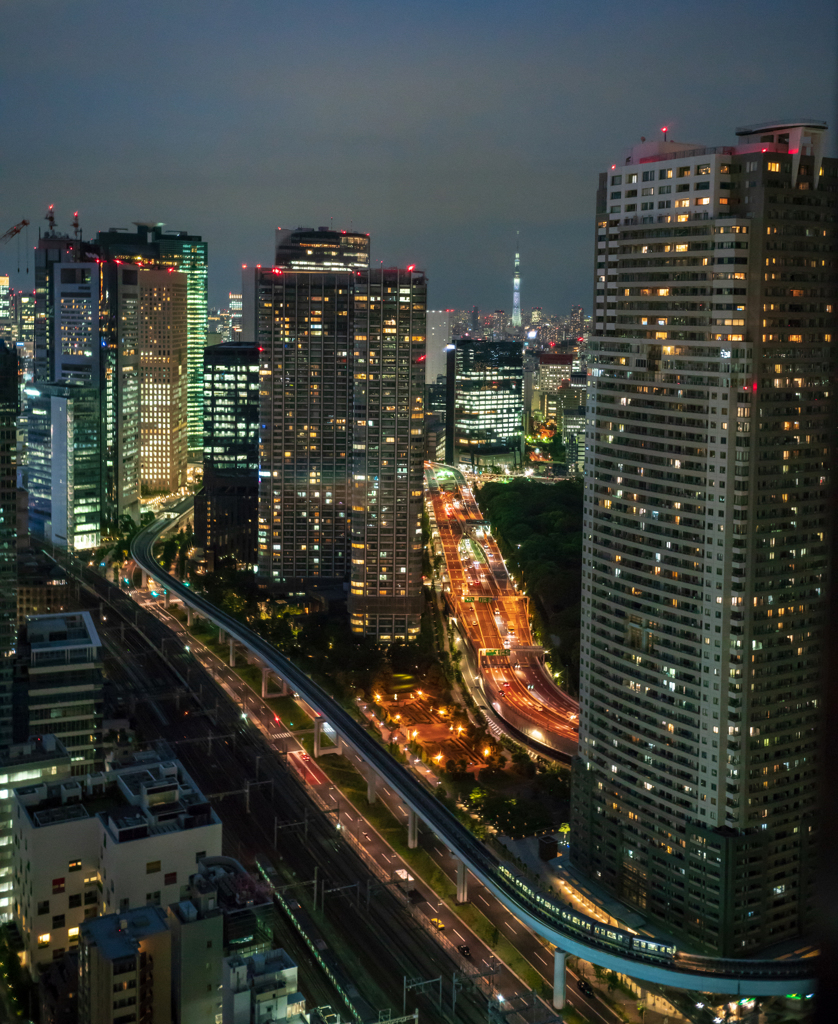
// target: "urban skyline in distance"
[[418, 433], [478, 128]]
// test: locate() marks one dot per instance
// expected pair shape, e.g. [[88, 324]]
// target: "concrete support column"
[[462, 883], [189, 616], [166, 598], [232, 653], [559, 979], [144, 576], [318, 729], [372, 781], [221, 636], [265, 677], [412, 829]]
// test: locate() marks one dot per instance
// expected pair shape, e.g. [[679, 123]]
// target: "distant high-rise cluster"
[[116, 380], [704, 614]]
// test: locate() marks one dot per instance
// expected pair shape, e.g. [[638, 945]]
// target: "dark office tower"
[[577, 321], [486, 393], [8, 534], [385, 600], [705, 534], [475, 320], [151, 247], [300, 314], [52, 248], [226, 507]]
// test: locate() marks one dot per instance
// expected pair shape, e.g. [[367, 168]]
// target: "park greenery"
[[539, 531]]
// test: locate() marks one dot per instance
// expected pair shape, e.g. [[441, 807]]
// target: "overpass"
[[571, 932]]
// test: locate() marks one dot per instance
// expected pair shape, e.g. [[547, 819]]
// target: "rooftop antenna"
[[76, 228], [665, 129], [50, 218]]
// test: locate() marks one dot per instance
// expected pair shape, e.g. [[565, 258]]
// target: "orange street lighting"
[[487, 751]]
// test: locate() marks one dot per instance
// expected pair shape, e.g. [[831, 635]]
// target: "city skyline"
[[441, 149]]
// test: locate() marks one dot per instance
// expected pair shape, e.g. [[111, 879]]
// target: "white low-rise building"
[[102, 843]]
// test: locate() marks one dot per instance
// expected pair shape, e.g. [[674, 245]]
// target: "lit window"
[[43, 940]]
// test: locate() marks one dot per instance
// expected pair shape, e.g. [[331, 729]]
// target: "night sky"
[[440, 128]]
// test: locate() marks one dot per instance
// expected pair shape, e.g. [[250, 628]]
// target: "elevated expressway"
[[570, 931], [494, 620]]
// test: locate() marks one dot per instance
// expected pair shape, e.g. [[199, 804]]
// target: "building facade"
[[226, 508], [387, 471], [163, 342], [300, 315], [58, 689], [486, 379], [125, 968], [65, 465], [152, 247], [705, 544], [104, 843], [439, 327], [8, 534]]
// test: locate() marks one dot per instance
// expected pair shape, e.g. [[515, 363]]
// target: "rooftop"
[[119, 935], [61, 631]]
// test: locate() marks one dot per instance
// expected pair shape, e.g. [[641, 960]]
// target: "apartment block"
[[695, 792], [125, 965], [104, 843], [385, 598], [300, 315]]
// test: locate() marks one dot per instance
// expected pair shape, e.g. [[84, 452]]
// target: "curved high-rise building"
[[705, 534]]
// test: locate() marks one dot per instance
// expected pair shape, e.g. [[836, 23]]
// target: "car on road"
[[435, 921], [584, 987], [463, 948], [304, 757]]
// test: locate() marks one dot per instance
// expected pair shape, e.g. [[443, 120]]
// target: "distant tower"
[[516, 290]]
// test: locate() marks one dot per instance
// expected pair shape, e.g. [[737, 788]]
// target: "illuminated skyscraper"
[[152, 247], [705, 546], [163, 341], [485, 422], [516, 290], [385, 599], [226, 507], [299, 313]]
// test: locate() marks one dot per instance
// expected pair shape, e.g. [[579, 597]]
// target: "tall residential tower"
[[705, 545], [385, 598]]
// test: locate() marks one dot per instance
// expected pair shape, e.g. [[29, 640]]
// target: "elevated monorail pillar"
[[372, 782], [265, 677], [412, 829], [318, 729], [144, 578], [189, 616], [232, 653], [462, 882], [166, 598], [559, 979], [221, 636]]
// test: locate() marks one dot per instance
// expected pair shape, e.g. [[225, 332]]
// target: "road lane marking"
[[481, 898]]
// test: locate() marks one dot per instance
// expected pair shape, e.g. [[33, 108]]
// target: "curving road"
[[568, 929]]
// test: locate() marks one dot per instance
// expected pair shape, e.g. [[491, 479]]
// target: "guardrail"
[[573, 932]]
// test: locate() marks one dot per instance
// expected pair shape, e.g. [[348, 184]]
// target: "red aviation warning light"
[[665, 129]]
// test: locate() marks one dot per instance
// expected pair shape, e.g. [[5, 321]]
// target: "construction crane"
[[14, 230]]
